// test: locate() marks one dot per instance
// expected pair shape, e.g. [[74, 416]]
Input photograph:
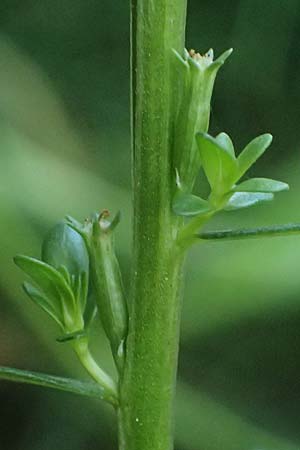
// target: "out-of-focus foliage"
[[64, 140]]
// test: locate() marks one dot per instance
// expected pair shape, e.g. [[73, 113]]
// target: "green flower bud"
[[64, 247], [60, 278]]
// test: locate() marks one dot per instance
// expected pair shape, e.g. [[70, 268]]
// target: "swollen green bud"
[[64, 247], [61, 278]]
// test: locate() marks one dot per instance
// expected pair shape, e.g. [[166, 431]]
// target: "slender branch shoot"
[[246, 233], [85, 388], [99, 375]]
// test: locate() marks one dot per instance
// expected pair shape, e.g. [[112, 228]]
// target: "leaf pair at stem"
[[223, 171], [194, 148], [78, 275]]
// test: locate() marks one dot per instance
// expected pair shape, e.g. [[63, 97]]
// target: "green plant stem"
[[81, 349], [246, 233], [62, 384], [147, 387]]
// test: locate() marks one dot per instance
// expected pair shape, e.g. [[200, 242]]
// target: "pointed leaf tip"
[[49, 281], [180, 59], [252, 152], [261, 185], [225, 141], [221, 59]]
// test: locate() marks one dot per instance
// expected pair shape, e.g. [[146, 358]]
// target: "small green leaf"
[[245, 199], [261, 185], [224, 140], [252, 152], [189, 205], [49, 280], [218, 163], [43, 302]]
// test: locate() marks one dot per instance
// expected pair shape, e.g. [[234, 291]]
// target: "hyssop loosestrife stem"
[[148, 384]]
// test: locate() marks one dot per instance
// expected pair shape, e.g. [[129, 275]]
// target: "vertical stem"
[[147, 388]]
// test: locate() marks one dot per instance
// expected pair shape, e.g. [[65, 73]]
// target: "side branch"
[[246, 233], [88, 389]]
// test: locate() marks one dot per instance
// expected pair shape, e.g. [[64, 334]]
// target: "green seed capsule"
[[199, 73], [107, 282]]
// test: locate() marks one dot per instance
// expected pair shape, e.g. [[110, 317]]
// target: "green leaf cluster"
[[224, 170]]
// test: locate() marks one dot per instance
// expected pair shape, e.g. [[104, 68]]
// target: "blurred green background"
[[64, 139]]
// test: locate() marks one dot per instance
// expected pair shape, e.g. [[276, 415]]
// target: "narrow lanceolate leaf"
[[218, 163], [225, 141], [48, 279], [43, 302], [88, 389], [189, 205], [245, 199], [261, 185], [252, 152]]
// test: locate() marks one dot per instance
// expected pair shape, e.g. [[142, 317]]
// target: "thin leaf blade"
[[218, 163], [261, 185], [241, 200], [189, 205], [37, 296], [225, 141], [252, 152], [49, 280]]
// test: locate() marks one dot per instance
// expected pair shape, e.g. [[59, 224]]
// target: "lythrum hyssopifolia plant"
[[78, 276]]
